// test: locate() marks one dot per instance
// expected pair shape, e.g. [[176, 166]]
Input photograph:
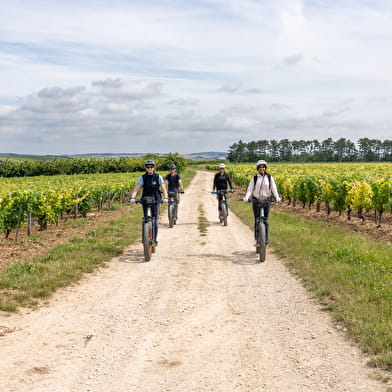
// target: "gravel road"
[[202, 315]]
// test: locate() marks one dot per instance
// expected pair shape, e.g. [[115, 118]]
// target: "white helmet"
[[222, 166], [261, 162]]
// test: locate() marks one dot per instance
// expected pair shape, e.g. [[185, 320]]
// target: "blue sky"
[[189, 76]]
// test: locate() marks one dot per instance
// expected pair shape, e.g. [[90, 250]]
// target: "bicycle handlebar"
[[141, 202], [254, 200], [223, 191]]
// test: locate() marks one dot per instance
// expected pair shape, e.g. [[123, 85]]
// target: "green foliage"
[[10, 168], [328, 150]]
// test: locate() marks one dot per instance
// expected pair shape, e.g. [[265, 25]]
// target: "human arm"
[[274, 190], [180, 184], [135, 191], [249, 191], [228, 178], [163, 187], [214, 183]]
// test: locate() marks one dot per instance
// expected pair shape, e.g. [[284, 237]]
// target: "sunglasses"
[[149, 166]]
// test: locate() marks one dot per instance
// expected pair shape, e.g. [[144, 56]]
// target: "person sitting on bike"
[[221, 179], [174, 183], [152, 184], [261, 186]]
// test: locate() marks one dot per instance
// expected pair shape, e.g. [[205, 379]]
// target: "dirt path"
[[201, 316]]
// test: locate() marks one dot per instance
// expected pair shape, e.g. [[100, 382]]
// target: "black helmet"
[[149, 162]]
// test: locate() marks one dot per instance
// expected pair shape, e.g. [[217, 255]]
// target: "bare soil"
[[37, 244], [202, 315], [356, 224]]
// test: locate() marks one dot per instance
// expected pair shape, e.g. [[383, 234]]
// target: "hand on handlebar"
[[132, 200], [165, 200]]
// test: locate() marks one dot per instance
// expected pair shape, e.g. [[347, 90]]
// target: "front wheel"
[[147, 240], [171, 215], [175, 213], [224, 214], [261, 242]]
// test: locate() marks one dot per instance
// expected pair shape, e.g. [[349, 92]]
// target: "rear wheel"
[[261, 242], [147, 240], [175, 213]]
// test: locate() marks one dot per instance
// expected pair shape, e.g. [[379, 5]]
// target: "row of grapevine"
[[341, 187], [46, 199], [69, 166]]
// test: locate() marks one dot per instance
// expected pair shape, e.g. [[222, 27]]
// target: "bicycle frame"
[[223, 205], [148, 227], [172, 208], [260, 228]]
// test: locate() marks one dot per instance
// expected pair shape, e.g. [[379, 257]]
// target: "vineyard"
[[341, 187], [48, 199]]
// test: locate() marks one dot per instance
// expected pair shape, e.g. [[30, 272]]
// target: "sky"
[[122, 76]]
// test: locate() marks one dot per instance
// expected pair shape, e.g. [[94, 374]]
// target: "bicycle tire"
[[171, 215], [224, 214], [262, 241], [175, 213], [147, 240]]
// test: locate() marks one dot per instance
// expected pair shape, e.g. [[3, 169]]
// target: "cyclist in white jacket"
[[261, 186]]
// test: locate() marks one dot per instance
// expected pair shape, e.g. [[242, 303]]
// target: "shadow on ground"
[[240, 258]]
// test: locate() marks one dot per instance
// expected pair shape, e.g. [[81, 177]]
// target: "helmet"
[[173, 167], [149, 162], [261, 162], [222, 166]]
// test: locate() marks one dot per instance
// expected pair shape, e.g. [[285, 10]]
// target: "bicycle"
[[260, 228], [148, 224], [223, 207], [172, 209]]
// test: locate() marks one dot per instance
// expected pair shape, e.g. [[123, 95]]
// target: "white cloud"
[[193, 75]]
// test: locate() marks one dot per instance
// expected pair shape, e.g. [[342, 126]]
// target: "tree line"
[[328, 150]]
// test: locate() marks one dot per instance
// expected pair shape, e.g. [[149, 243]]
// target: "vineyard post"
[[112, 200]]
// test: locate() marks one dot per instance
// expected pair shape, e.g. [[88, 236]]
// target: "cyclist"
[[221, 180], [261, 186], [152, 184], [173, 182]]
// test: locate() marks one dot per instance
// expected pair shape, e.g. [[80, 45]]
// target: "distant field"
[[17, 157]]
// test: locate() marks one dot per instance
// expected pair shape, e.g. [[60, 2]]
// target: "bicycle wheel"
[[175, 213], [171, 215], [224, 214], [261, 241], [147, 240]]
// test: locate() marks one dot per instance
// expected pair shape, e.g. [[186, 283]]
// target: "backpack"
[[255, 180]]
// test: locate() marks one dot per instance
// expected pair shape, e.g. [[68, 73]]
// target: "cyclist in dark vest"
[[221, 180], [174, 183], [152, 184], [261, 186]]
